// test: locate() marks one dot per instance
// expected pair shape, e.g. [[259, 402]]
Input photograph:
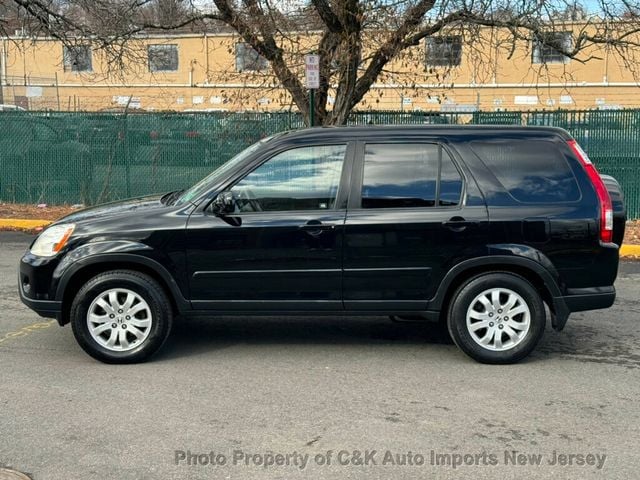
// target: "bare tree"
[[360, 42]]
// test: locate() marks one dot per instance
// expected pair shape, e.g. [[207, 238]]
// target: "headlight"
[[52, 240]]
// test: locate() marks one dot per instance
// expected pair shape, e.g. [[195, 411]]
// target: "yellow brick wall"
[[206, 79]]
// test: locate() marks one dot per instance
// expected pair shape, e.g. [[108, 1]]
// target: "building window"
[[248, 60], [163, 58], [77, 58], [444, 51], [549, 47]]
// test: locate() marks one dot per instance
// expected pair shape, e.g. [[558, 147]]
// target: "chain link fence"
[[90, 158]]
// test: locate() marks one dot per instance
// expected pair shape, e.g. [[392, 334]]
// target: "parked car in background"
[[482, 228], [178, 139], [63, 163], [11, 108]]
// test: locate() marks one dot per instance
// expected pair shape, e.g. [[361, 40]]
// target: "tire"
[[104, 302], [491, 334]]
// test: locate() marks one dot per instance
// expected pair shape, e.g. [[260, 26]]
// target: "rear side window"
[[533, 171], [450, 182], [409, 175]]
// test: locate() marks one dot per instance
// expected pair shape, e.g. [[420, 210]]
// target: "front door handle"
[[316, 227], [457, 224]]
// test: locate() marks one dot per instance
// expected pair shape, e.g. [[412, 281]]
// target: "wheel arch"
[[73, 279], [541, 279]]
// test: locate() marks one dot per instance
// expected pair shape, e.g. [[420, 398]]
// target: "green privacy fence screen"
[[91, 158]]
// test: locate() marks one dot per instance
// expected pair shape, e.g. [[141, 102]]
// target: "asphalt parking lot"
[[276, 398]]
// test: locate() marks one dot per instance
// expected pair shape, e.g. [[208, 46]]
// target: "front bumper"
[[33, 282], [44, 308]]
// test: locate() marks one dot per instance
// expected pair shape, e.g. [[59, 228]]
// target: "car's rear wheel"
[[496, 317], [121, 316]]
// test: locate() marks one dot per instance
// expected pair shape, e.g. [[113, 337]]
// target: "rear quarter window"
[[532, 171]]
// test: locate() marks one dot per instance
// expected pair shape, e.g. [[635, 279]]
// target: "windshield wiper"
[[164, 197], [171, 197]]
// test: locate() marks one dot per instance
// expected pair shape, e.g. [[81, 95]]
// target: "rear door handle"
[[316, 227], [458, 224]]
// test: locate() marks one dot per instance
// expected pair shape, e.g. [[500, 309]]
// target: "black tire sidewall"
[[144, 286], [457, 317]]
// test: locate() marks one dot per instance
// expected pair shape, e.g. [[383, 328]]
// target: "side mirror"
[[223, 204]]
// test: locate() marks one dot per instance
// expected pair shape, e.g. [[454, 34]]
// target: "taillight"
[[606, 209]]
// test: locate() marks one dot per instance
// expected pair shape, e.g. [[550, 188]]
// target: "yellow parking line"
[[23, 223], [24, 331]]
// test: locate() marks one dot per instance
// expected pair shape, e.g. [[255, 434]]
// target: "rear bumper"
[[594, 298], [579, 300]]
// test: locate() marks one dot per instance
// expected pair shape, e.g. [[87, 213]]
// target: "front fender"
[[115, 251]]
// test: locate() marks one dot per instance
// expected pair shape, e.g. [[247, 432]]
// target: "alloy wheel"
[[498, 319], [119, 319]]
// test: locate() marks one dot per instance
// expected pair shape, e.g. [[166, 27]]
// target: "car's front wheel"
[[121, 316], [496, 317]]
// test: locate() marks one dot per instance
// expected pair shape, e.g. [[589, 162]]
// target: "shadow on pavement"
[[193, 335]]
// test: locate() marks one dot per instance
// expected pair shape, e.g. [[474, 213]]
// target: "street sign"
[[312, 70]]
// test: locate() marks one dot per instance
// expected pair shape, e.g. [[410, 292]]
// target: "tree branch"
[[267, 48]]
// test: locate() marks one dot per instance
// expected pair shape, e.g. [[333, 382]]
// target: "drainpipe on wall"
[[24, 64], [57, 91], [495, 66], [3, 68], [206, 49], [605, 80]]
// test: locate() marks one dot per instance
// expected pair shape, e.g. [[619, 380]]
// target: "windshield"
[[203, 185]]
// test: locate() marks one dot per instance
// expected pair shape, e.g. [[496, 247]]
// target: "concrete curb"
[[24, 224], [630, 251]]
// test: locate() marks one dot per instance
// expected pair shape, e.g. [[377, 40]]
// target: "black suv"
[[478, 227]]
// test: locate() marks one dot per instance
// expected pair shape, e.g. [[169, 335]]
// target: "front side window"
[[444, 51], [200, 188], [549, 47], [305, 178], [409, 175], [162, 58], [77, 58], [248, 60]]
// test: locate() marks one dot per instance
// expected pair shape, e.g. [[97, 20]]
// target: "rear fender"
[[502, 257]]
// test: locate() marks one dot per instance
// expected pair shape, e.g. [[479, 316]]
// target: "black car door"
[[413, 213], [281, 249]]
